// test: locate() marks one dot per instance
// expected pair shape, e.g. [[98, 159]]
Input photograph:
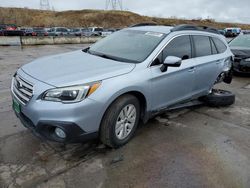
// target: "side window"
[[221, 47], [202, 46], [179, 47], [214, 49]]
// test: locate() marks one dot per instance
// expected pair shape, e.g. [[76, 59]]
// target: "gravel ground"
[[196, 147]]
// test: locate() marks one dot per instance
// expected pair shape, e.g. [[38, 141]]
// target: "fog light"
[[60, 133]]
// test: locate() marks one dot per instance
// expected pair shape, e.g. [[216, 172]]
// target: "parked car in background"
[[222, 32], [107, 32], [95, 31], [240, 46], [10, 30], [13, 32], [28, 32], [10, 27], [92, 31], [58, 31], [232, 32], [103, 91], [80, 32], [246, 32], [2, 27], [86, 32], [40, 31], [75, 32]]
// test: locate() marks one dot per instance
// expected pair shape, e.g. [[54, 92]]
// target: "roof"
[[159, 29], [168, 29]]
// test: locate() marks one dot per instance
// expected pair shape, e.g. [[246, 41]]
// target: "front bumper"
[[80, 121], [78, 127], [45, 130]]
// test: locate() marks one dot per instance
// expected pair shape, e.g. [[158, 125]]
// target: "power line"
[[114, 5], [44, 5]]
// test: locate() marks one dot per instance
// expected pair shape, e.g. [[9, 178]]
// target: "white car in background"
[[58, 31], [107, 32], [96, 31]]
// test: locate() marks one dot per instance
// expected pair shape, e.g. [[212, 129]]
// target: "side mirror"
[[171, 61]]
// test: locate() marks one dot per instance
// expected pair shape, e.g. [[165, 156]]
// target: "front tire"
[[120, 121]]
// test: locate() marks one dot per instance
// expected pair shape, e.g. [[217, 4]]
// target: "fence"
[[25, 41]]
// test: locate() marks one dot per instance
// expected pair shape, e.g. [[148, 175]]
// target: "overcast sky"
[[220, 10]]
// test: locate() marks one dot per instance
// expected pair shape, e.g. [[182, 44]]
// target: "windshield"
[[241, 41], [128, 45]]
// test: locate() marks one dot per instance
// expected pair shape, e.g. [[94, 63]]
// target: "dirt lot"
[[198, 147]]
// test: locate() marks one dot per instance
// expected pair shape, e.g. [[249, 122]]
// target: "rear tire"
[[219, 98], [126, 106]]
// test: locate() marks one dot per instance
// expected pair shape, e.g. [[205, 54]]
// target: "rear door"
[[221, 48], [207, 61], [176, 84]]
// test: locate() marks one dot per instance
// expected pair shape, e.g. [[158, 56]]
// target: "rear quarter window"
[[214, 49], [221, 47]]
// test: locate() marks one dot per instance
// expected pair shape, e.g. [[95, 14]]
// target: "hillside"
[[85, 18]]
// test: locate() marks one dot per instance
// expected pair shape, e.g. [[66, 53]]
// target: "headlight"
[[248, 59], [71, 94]]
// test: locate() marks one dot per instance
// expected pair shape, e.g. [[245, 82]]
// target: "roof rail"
[[195, 28], [144, 24]]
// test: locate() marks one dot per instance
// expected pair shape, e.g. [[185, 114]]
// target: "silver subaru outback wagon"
[[103, 91]]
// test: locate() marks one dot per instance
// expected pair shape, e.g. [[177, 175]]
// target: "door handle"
[[192, 69]]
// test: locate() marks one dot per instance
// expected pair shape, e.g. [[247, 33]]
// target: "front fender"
[[113, 88]]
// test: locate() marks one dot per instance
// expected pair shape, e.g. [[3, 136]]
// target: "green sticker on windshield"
[[155, 34]]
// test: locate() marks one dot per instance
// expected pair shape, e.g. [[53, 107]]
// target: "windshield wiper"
[[102, 55], [108, 56]]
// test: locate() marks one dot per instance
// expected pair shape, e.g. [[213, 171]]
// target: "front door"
[[177, 83]]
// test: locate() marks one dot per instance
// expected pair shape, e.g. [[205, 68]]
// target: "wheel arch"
[[142, 101], [141, 98]]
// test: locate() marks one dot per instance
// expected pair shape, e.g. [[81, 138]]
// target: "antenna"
[[113, 4], [44, 5]]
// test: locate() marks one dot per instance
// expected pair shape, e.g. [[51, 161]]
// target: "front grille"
[[22, 89]]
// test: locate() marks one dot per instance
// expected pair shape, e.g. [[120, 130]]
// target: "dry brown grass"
[[84, 18]]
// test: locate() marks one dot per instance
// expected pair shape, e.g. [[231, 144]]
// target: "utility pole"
[[114, 5], [44, 5]]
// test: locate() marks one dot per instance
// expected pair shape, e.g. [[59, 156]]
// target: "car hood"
[[75, 68], [241, 52]]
